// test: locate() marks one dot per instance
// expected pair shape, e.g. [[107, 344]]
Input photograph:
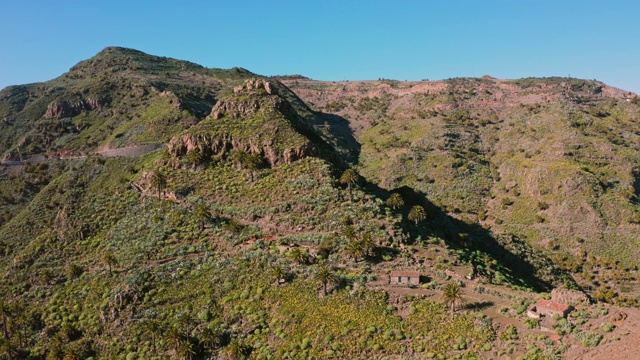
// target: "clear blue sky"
[[334, 40]]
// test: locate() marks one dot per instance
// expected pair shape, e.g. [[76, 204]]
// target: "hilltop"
[[154, 208]]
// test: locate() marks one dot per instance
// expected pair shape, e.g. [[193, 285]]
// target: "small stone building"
[[404, 278], [547, 308]]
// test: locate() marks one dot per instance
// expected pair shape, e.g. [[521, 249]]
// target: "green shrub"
[[607, 327]]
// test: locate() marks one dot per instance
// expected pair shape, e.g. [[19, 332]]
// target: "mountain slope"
[[239, 235], [116, 98], [552, 161]]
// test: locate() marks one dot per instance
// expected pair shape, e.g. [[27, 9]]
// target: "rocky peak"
[[255, 119], [255, 85], [242, 106]]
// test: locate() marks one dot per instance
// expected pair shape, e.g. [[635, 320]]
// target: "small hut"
[[404, 278], [547, 308]]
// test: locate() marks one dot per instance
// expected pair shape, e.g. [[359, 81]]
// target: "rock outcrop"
[[256, 84], [234, 124], [221, 144], [66, 108]]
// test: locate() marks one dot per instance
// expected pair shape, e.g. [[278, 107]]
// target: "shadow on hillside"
[[340, 130], [380, 252], [472, 246], [478, 305], [636, 187]]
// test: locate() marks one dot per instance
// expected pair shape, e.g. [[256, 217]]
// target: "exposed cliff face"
[[62, 109], [222, 144], [255, 119]]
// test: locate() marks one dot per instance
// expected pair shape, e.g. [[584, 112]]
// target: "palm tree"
[[368, 243], [5, 312], [55, 347], [395, 201], [279, 273], [327, 246], [253, 163], [71, 353], [238, 349], [203, 215], [452, 295], [74, 270], [356, 249], [349, 177], [184, 320], [325, 276], [174, 338], [233, 226], [195, 157], [153, 327], [349, 232], [158, 181], [240, 157], [6, 349], [298, 255], [417, 214], [185, 350], [211, 338], [109, 259]]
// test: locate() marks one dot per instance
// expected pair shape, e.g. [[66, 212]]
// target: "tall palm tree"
[[368, 243], [203, 214], [417, 214], [5, 312], [109, 259], [153, 327], [211, 338], [174, 338], [159, 181], [6, 349], [349, 177], [452, 295], [184, 321], [395, 201], [325, 275], [253, 163]]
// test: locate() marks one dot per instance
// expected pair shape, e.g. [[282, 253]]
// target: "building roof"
[[405, 273], [553, 306]]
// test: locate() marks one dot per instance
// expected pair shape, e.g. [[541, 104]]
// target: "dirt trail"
[[129, 151]]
